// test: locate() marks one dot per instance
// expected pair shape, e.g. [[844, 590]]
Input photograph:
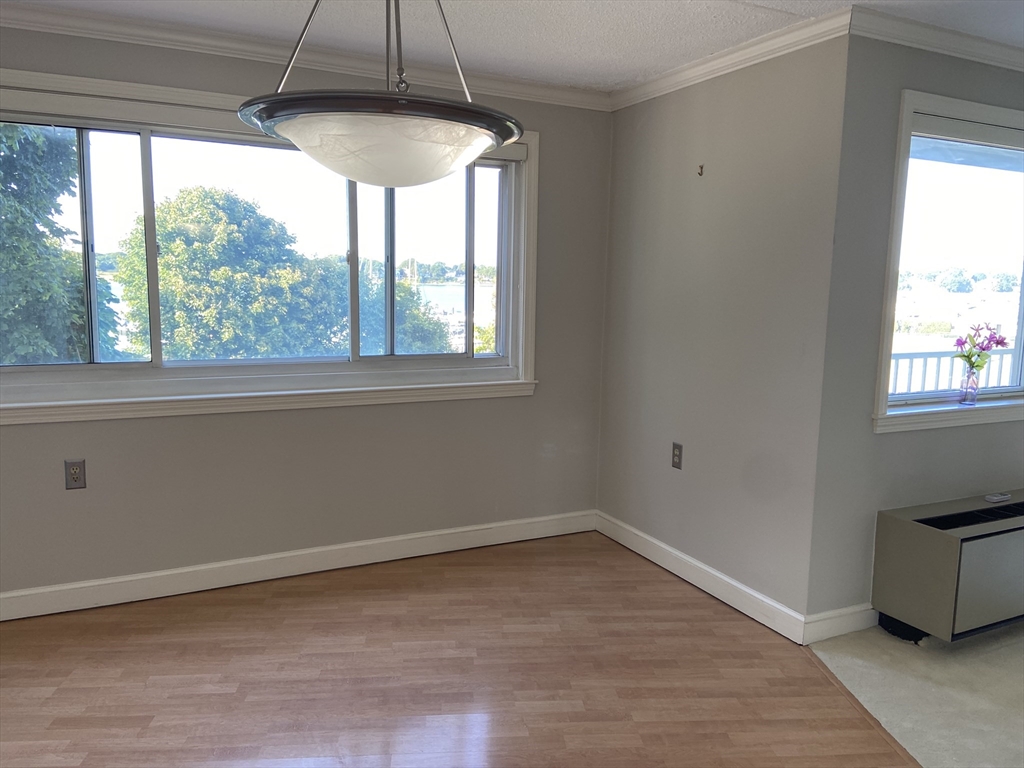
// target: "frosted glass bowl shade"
[[381, 138], [385, 150]]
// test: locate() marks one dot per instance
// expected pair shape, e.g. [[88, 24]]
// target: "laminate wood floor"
[[561, 652]]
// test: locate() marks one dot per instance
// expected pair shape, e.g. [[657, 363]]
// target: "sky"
[[956, 215], [310, 200], [962, 216]]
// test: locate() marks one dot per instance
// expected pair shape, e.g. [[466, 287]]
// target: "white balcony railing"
[[921, 372]]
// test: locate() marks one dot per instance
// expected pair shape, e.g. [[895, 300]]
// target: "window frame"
[[941, 117], [504, 323], [55, 393]]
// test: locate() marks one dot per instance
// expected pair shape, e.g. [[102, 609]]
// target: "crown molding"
[[892, 29], [78, 24], [779, 43], [857, 21]]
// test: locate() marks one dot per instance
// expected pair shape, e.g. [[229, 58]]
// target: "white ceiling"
[[602, 45]]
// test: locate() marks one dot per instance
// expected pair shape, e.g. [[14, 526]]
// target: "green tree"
[[417, 329], [43, 317], [42, 291], [107, 261], [438, 272], [934, 327], [483, 339], [956, 281], [232, 287], [1005, 282], [106, 318]]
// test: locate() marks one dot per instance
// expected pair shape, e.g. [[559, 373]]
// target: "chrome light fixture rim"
[[265, 113]]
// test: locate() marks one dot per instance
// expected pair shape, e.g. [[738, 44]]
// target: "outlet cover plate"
[[677, 455], [74, 474]]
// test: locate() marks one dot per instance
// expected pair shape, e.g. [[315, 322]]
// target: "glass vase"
[[969, 387]]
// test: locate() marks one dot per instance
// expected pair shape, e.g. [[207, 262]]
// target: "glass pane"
[[961, 261], [43, 317], [487, 218], [122, 286], [253, 244], [372, 298], [430, 271]]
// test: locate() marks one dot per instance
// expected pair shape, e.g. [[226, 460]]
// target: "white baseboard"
[[771, 613], [821, 626], [58, 598], [801, 629]]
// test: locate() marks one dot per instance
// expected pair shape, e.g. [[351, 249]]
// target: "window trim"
[[906, 413], [56, 393]]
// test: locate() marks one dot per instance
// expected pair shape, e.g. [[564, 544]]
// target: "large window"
[[957, 251], [181, 258]]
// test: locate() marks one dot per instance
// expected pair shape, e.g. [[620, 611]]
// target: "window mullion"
[[469, 334], [353, 271], [503, 274], [88, 248], [389, 271], [152, 248], [1018, 343]]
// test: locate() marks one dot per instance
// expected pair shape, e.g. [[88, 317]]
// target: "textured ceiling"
[[595, 44]]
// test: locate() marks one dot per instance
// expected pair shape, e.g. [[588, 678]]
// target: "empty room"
[[534, 383]]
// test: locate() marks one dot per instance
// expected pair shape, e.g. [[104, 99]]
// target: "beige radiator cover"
[[949, 582]]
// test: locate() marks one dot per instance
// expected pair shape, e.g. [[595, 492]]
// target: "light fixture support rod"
[[387, 42], [401, 84], [291, 61], [455, 53]]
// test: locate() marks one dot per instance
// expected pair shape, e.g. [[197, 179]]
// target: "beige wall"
[[715, 322], [860, 472], [169, 492]]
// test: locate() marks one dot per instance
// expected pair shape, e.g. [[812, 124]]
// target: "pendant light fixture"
[[384, 138]]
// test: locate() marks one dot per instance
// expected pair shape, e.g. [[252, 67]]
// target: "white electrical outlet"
[[74, 474]]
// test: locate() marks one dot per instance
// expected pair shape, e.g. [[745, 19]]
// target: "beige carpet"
[[958, 705]]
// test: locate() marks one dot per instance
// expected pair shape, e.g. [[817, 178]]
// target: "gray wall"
[[715, 321], [860, 472], [715, 301], [169, 492]]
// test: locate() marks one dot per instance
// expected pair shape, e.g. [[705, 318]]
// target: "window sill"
[[143, 407], [909, 418]]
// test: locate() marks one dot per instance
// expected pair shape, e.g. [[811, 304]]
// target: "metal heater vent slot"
[[974, 517]]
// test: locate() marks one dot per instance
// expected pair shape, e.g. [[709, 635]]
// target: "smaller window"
[[957, 253], [61, 243]]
